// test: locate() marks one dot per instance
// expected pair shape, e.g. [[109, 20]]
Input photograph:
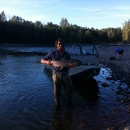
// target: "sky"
[[96, 14]]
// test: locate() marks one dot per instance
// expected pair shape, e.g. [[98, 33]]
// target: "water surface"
[[26, 94]]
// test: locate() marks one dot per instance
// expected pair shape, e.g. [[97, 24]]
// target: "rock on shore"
[[120, 68]]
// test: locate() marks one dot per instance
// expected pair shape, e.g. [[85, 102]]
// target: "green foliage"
[[64, 23], [2, 17], [18, 30], [38, 24], [126, 32], [16, 19]]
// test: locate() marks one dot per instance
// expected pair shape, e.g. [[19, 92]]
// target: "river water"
[[26, 99]]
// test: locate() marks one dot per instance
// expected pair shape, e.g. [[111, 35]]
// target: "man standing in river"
[[60, 76]]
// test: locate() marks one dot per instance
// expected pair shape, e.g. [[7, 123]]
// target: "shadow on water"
[[88, 89], [63, 116], [62, 119]]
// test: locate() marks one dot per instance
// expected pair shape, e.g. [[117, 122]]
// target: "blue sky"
[[98, 14]]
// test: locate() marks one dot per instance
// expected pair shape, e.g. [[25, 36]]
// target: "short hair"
[[61, 40]]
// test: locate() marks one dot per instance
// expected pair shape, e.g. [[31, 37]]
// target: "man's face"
[[60, 46]]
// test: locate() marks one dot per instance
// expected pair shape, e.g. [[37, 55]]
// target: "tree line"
[[19, 31]]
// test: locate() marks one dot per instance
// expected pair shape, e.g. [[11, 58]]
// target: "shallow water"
[[26, 94]]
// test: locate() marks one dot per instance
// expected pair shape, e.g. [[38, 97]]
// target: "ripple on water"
[[26, 94]]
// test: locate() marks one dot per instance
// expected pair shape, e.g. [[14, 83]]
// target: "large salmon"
[[65, 62]]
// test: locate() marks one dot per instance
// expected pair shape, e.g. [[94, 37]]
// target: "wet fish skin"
[[66, 62]]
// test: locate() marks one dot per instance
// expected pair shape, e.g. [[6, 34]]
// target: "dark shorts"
[[121, 52]]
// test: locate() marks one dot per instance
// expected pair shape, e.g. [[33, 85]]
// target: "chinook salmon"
[[66, 62]]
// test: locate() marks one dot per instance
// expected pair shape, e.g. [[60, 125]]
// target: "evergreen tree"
[[126, 31], [3, 17], [64, 23]]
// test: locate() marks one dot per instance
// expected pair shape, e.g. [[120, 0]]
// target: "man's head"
[[59, 44]]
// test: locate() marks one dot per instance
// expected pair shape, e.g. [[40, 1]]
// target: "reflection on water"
[[62, 119], [26, 94], [87, 89]]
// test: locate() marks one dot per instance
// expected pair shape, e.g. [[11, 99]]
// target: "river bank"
[[120, 68], [107, 51]]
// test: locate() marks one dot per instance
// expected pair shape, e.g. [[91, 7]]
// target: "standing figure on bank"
[[60, 76], [119, 52]]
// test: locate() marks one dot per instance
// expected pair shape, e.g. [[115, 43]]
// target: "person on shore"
[[119, 52], [60, 76]]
